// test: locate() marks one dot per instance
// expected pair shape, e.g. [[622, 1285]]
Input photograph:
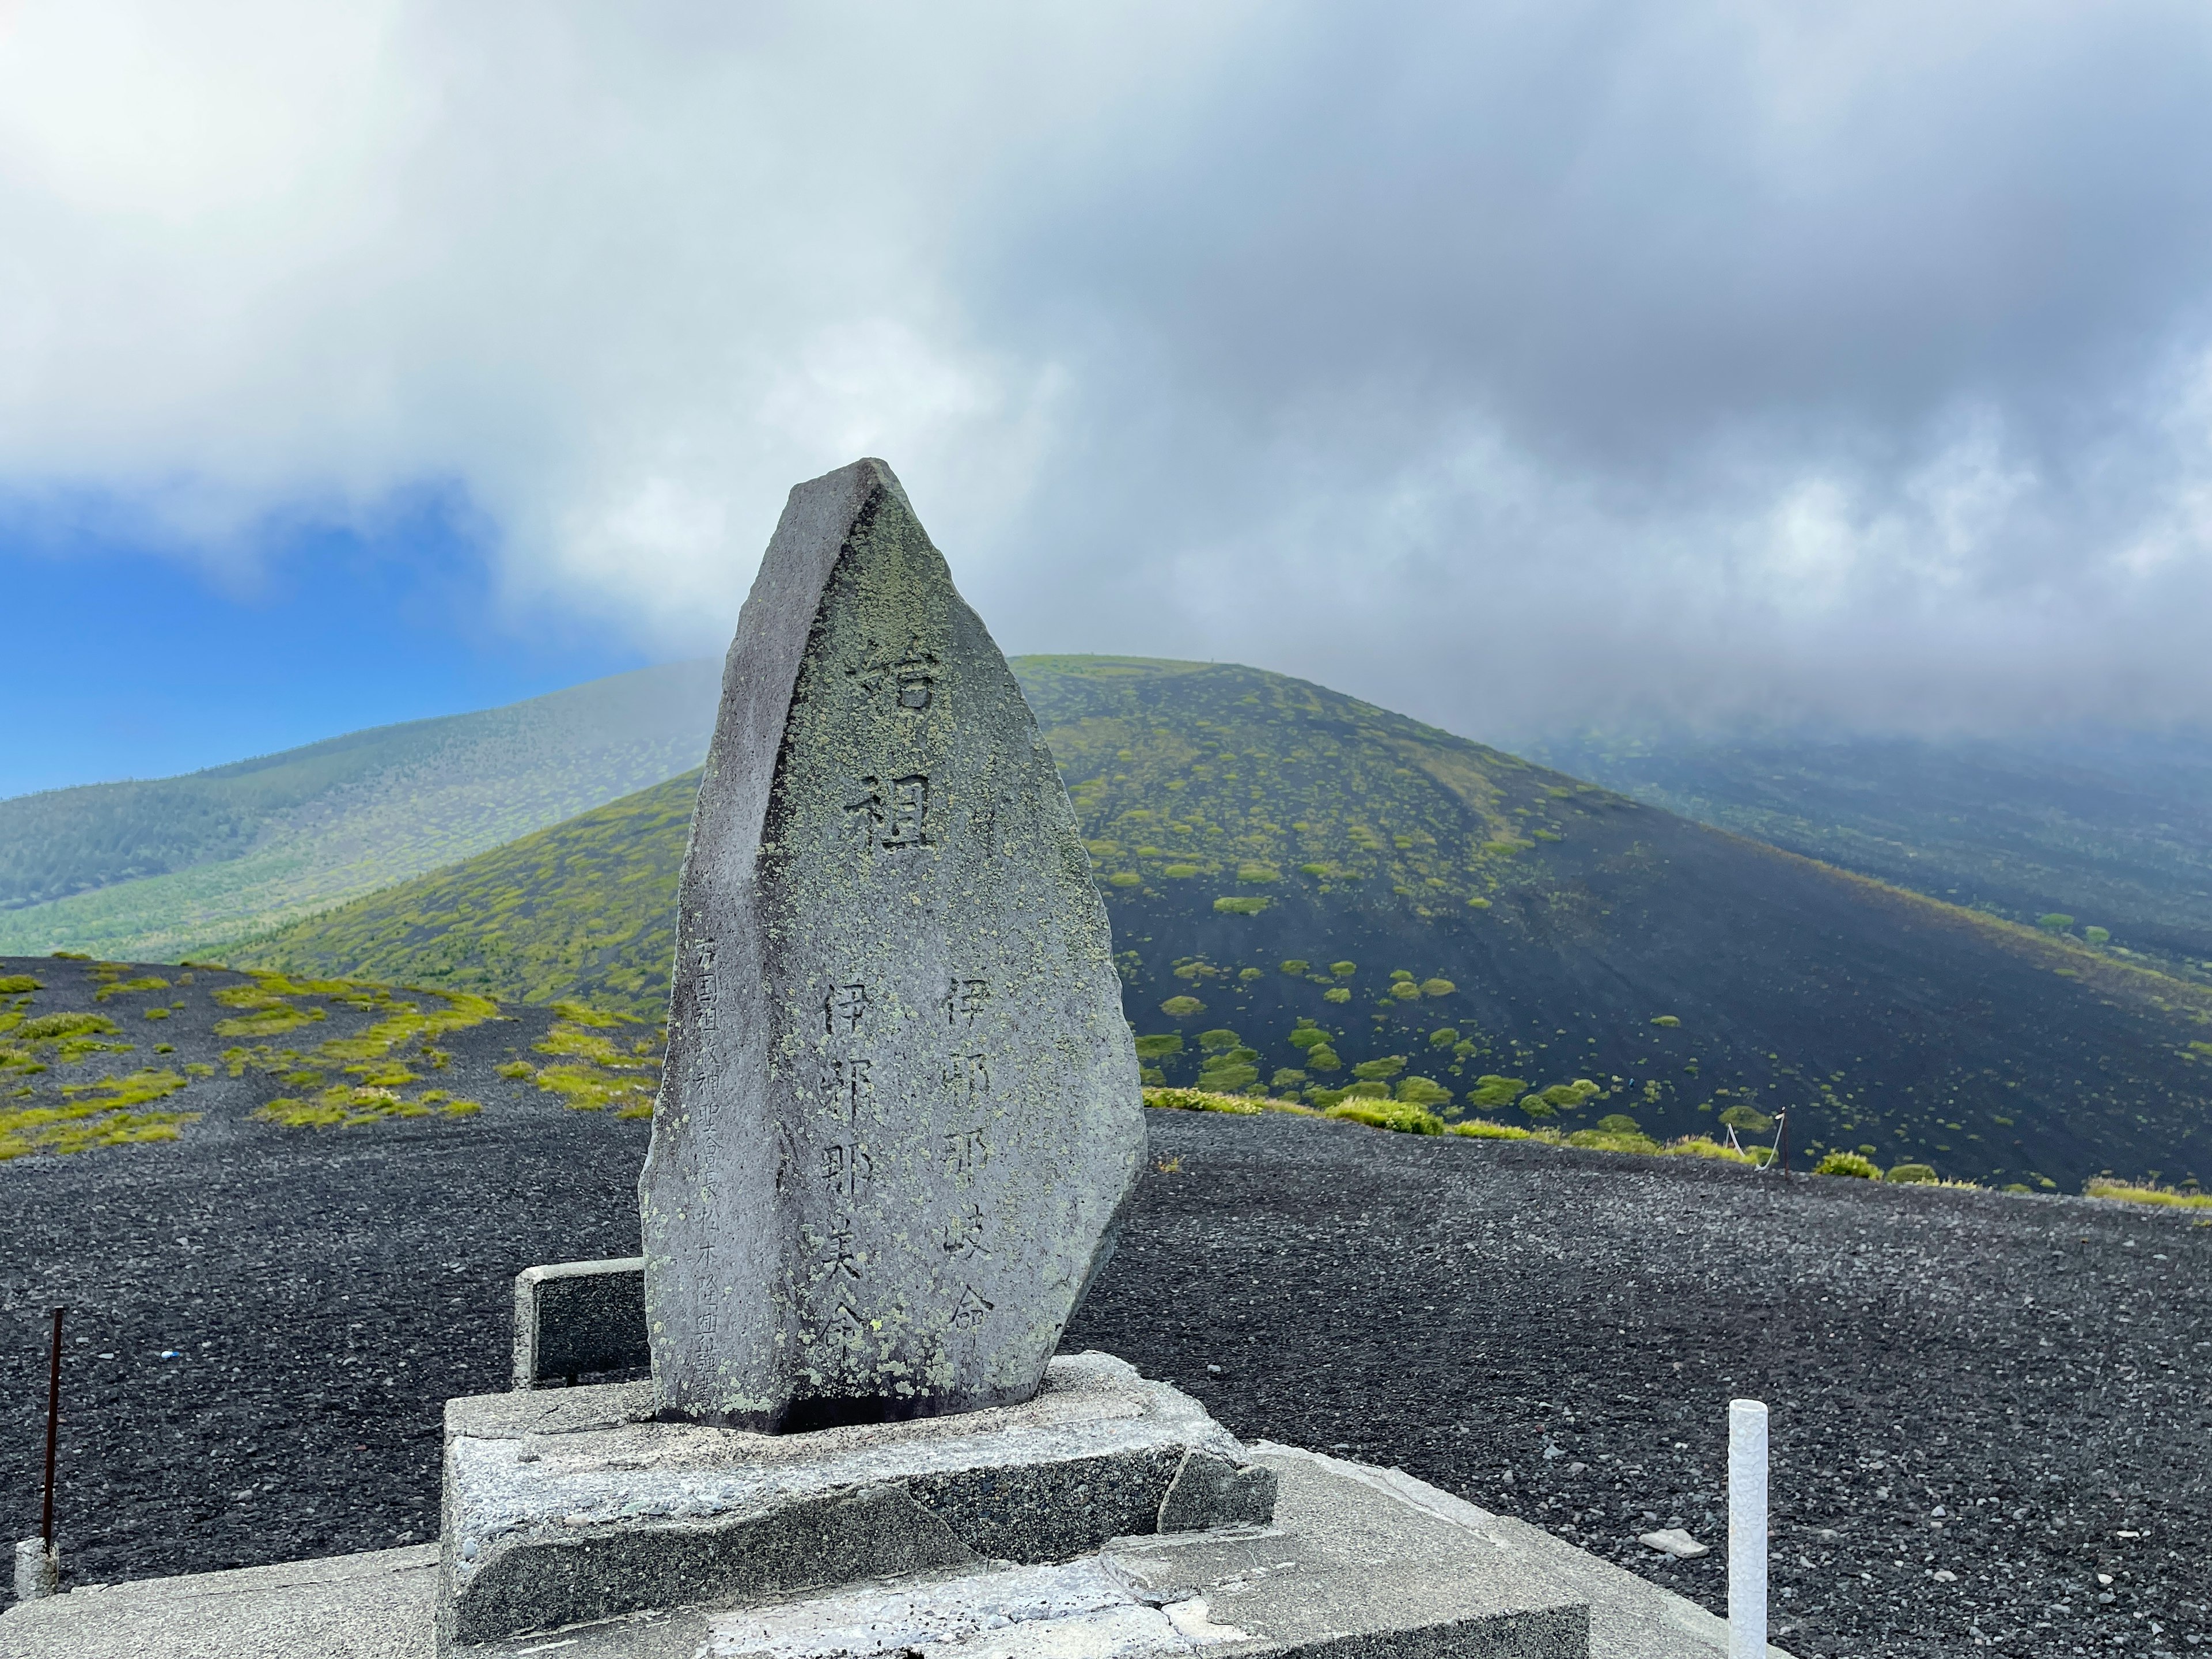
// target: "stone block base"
[[575, 1505]]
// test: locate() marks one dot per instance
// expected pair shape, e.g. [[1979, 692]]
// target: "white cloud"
[[1509, 363]]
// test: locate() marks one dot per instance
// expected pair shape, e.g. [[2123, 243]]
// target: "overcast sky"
[[1511, 365]]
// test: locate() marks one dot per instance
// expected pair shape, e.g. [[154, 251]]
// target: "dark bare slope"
[[1504, 930], [2010, 1391], [2110, 831]]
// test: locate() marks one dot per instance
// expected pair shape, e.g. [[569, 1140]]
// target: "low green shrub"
[[1482, 1129], [2126, 1192], [1205, 1100], [1491, 1091], [1705, 1146], [1920, 1174], [1605, 1141], [1391, 1114], [1849, 1163]]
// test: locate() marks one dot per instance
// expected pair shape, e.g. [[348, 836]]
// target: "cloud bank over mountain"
[[1509, 364]]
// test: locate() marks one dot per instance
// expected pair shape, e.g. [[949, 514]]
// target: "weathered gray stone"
[[578, 1504], [899, 1114], [577, 1317]]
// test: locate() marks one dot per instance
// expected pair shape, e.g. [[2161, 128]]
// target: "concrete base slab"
[[563, 1507], [1368, 1562], [374, 1606]]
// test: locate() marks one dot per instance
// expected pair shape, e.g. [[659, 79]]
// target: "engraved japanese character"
[[910, 675], [966, 1001], [969, 1313], [842, 1257], [963, 1235], [892, 814], [965, 1150], [849, 1084], [845, 1007], [968, 1076], [909, 803], [846, 1169]]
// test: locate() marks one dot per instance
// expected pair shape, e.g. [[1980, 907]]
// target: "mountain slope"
[[1308, 890], [2114, 832], [170, 866]]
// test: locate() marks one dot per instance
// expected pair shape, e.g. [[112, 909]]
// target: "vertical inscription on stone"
[[900, 1115]]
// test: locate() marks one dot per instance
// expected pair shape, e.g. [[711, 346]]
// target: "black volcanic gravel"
[[2010, 1392]]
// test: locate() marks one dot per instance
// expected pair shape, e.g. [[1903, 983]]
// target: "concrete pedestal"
[[1360, 1562], [563, 1506]]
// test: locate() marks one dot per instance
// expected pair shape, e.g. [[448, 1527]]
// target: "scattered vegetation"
[[2188, 1198], [108, 1113], [592, 1073], [374, 1066]]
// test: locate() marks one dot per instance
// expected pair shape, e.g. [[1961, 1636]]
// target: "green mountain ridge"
[[173, 866], [2110, 831], [1311, 894]]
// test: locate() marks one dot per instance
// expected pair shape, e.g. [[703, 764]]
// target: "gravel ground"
[[1985, 1407]]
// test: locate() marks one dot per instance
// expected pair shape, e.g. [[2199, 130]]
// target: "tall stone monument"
[[900, 1112]]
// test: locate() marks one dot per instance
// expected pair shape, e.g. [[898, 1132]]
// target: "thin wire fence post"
[[53, 1428], [1747, 1554]]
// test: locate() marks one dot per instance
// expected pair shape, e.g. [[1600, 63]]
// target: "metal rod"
[[53, 1427], [1747, 1551]]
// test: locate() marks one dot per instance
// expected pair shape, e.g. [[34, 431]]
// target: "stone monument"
[[900, 1111]]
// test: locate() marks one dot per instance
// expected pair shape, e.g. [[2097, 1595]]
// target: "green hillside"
[[1312, 895], [165, 867], [2113, 833]]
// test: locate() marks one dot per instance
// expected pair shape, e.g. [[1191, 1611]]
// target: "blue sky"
[[126, 659], [1515, 366]]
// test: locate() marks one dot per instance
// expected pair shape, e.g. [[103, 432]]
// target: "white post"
[[1747, 1593]]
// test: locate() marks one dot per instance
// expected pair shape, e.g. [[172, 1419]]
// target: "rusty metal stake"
[[53, 1428]]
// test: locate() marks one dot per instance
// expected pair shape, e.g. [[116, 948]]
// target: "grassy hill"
[[2113, 833], [1311, 894], [165, 867]]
